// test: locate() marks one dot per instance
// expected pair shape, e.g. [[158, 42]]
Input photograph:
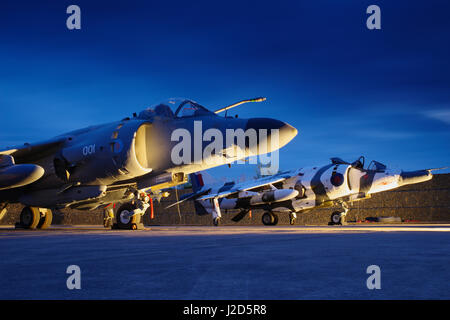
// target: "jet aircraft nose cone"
[[264, 123], [286, 132], [410, 177]]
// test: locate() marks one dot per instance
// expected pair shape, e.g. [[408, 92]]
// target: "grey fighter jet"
[[337, 183], [126, 161]]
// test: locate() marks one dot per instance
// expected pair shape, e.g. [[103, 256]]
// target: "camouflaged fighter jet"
[[337, 183], [119, 162]]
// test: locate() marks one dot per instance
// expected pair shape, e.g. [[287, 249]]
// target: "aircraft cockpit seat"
[[358, 164]]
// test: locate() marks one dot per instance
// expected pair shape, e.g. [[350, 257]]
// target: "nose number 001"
[[87, 150]]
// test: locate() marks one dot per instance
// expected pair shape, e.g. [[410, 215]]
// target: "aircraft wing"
[[249, 185], [28, 152], [188, 197]]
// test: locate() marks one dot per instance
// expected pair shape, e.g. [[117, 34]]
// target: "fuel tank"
[[17, 175]]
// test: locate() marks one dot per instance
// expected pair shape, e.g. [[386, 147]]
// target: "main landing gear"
[[128, 217], [35, 218], [338, 217], [269, 218]]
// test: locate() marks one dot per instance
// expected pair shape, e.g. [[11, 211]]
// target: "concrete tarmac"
[[227, 262]]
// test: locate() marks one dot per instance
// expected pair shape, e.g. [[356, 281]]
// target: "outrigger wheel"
[[269, 219], [216, 221], [292, 219]]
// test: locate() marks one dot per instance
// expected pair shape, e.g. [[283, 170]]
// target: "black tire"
[[268, 219], [30, 217], [46, 220], [123, 222], [336, 218]]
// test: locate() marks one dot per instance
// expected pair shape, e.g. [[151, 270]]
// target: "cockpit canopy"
[[359, 164], [376, 166], [175, 108]]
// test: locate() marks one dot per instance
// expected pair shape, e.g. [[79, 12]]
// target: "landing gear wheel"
[[275, 220], [29, 218], [269, 219], [336, 218], [216, 222], [3, 211], [46, 220], [124, 221]]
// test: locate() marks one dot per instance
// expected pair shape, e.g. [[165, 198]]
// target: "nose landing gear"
[[338, 217], [129, 215]]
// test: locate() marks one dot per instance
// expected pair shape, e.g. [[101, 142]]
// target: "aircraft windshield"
[[376, 166], [175, 108]]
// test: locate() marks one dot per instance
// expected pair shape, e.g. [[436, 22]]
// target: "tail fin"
[[197, 184], [196, 181]]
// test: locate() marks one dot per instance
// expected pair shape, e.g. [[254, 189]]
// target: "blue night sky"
[[348, 90]]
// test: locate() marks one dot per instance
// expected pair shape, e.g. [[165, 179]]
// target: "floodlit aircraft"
[[337, 183], [120, 162]]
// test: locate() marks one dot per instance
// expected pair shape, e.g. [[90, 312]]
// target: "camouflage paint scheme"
[[297, 191]]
